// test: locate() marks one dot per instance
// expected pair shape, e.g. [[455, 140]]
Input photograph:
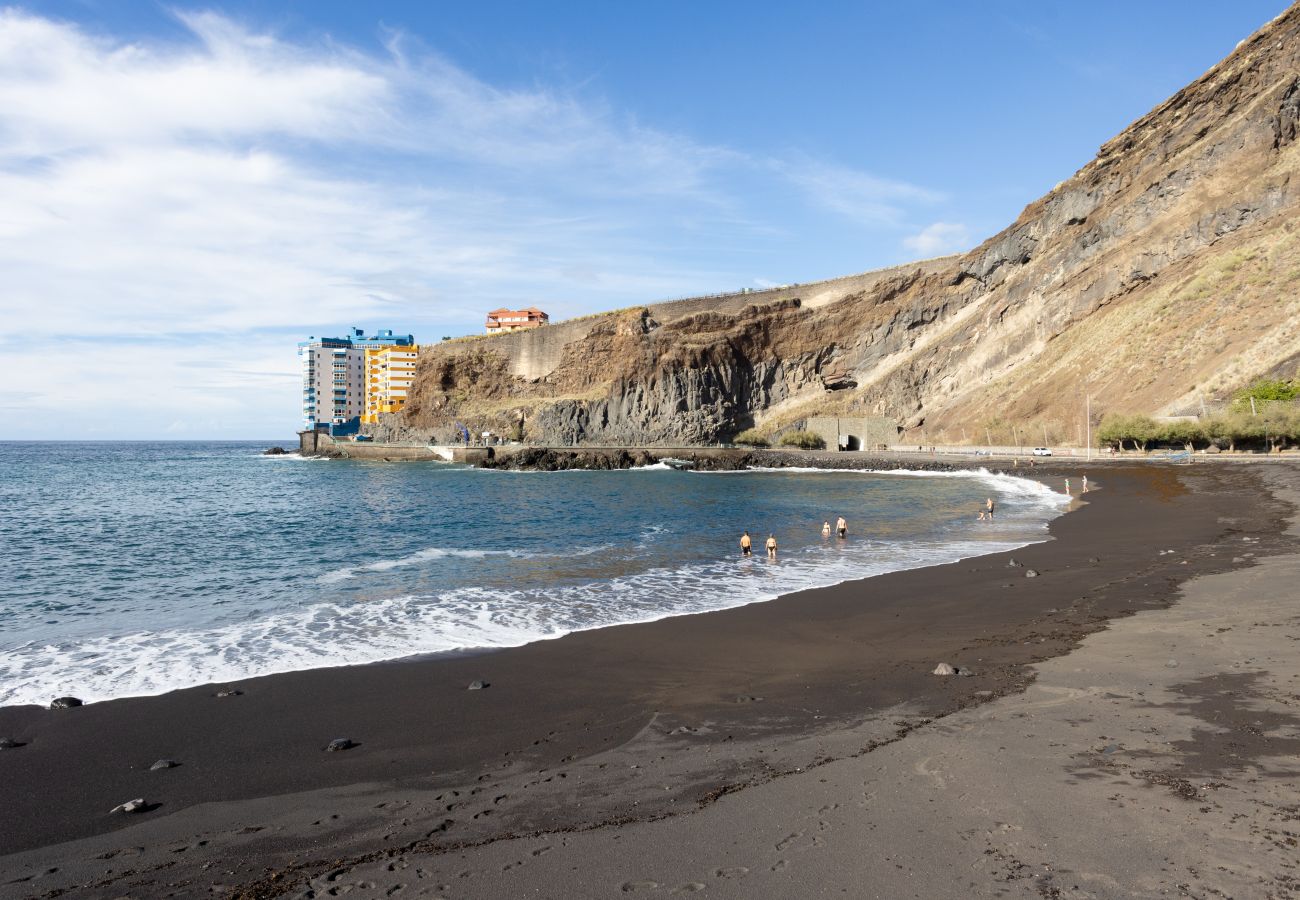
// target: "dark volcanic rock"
[[164, 764], [9, 744], [338, 744], [64, 703], [477, 685], [228, 692], [1030, 573], [275, 451]]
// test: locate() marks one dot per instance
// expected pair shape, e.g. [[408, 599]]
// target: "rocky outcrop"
[[1161, 275]]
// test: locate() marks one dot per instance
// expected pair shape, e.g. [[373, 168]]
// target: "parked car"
[[1042, 451]]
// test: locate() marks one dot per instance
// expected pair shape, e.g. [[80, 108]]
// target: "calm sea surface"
[[138, 568]]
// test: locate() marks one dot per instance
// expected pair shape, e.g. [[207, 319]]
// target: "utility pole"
[[1088, 420]]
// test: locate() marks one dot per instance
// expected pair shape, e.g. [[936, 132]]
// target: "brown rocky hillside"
[[1165, 272]]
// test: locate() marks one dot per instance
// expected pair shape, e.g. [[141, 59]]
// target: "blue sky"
[[186, 191]]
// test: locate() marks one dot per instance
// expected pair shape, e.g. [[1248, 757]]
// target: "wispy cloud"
[[939, 238], [859, 196], [214, 197]]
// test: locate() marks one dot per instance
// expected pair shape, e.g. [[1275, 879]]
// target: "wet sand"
[[597, 734]]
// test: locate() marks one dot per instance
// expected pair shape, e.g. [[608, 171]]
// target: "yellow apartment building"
[[389, 373]]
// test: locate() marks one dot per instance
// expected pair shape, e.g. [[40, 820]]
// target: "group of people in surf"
[[747, 543], [842, 527]]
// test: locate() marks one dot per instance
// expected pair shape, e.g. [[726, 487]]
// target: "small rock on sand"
[[1031, 573], [164, 764], [1172, 664], [339, 744], [229, 692], [130, 806], [64, 703], [477, 685], [1014, 563], [944, 669], [9, 744]]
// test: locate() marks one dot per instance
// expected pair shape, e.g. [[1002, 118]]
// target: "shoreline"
[[800, 673]]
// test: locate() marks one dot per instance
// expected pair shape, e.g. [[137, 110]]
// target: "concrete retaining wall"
[[865, 433]]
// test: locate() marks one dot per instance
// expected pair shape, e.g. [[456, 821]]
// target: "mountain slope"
[[1162, 274]]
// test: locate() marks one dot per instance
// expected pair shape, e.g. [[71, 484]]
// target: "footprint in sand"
[[540, 850], [732, 872], [797, 841], [630, 886], [689, 888], [780, 865], [924, 768]]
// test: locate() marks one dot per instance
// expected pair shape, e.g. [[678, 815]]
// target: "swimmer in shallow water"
[[771, 547], [841, 527], [746, 544], [826, 529]]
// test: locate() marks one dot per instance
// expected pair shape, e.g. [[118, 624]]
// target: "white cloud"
[[859, 196], [218, 197], [938, 239]]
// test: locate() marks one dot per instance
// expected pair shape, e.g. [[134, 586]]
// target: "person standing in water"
[[771, 547], [826, 529], [989, 506], [841, 527], [1085, 484], [1067, 488], [745, 544]]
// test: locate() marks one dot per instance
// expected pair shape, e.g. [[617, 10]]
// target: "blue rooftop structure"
[[357, 338]]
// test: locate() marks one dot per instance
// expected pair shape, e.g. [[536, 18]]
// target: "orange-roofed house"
[[500, 320]]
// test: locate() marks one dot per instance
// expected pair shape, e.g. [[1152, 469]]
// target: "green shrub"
[[804, 440], [751, 437]]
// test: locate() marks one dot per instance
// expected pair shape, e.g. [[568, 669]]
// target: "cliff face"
[[1164, 273]]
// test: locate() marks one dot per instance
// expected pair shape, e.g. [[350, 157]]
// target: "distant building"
[[500, 320], [389, 373], [334, 376]]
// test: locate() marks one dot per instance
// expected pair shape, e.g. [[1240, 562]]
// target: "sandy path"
[[1159, 759]]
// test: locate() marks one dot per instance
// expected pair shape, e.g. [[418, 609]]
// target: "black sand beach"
[[597, 730]]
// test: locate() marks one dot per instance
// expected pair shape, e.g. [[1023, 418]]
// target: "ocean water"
[[130, 569]]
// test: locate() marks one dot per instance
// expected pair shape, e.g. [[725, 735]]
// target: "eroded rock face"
[[1130, 281]]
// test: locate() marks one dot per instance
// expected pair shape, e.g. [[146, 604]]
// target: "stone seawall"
[[316, 444], [536, 353]]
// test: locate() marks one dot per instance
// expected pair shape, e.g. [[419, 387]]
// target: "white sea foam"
[[413, 559], [335, 634], [1016, 486]]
